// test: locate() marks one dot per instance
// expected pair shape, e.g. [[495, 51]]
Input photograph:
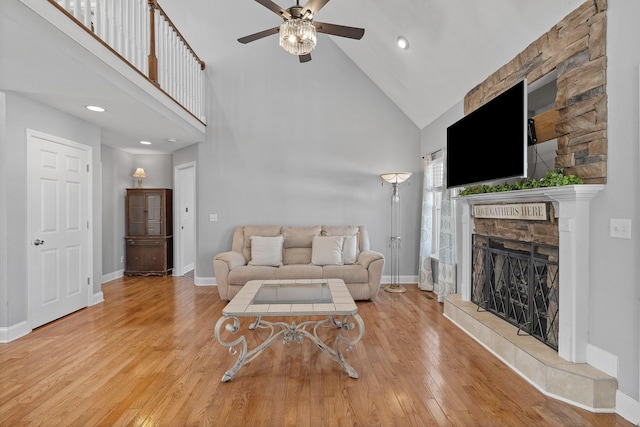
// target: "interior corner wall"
[[117, 167], [22, 114], [4, 207], [303, 144]]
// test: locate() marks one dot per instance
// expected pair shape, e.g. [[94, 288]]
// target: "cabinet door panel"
[[136, 213], [154, 214]]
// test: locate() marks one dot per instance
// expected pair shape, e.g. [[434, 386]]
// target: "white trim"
[[97, 298], [627, 408], [177, 235], [407, 280], [205, 281], [602, 360], [30, 134], [14, 332], [112, 276]]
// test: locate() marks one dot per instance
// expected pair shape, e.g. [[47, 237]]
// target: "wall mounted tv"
[[489, 143]]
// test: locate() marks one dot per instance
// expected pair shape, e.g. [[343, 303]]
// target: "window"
[[437, 178]]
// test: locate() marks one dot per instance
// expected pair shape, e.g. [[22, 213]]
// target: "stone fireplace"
[[569, 208], [563, 373]]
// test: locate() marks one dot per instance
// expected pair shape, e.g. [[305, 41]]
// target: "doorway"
[[184, 228], [58, 208]]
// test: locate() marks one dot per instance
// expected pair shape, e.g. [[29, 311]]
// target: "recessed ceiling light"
[[403, 43], [145, 142], [95, 108], [172, 140]]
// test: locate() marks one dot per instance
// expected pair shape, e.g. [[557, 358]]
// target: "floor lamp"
[[395, 179]]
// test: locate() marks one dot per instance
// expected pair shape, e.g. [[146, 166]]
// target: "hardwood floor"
[[148, 356]]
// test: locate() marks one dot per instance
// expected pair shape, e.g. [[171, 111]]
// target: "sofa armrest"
[[367, 257], [232, 258], [223, 263]]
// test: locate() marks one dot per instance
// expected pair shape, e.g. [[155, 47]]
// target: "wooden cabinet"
[[149, 234]]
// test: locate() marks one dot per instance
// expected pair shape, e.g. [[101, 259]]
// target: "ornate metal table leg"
[[335, 353], [233, 328]]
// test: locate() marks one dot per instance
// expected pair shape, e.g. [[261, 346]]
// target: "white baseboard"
[[205, 281], [98, 297], [406, 280], [627, 408], [602, 360], [112, 276], [14, 332]]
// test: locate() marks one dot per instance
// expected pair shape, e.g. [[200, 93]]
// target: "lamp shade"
[[139, 173], [396, 177]]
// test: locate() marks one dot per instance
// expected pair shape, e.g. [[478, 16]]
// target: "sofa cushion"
[[297, 256], [327, 250], [350, 249], [257, 230], [241, 275], [266, 250], [349, 273], [341, 230], [297, 271], [300, 237]]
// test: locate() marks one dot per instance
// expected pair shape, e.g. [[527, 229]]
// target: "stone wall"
[[545, 232], [576, 49]]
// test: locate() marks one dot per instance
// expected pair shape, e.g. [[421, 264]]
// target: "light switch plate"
[[213, 217], [620, 228]]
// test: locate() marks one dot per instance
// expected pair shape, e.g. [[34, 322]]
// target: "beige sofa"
[[314, 252]]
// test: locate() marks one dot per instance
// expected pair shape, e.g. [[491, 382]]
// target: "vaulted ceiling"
[[454, 45]]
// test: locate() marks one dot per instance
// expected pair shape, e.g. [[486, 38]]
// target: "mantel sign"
[[527, 211]]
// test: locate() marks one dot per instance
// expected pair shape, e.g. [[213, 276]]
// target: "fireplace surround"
[[571, 211]]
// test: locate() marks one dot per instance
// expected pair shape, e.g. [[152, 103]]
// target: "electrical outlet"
[[213, 217], [122, 259], [620, 228]]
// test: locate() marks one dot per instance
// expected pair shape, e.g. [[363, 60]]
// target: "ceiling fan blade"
[[339, 30], [275, 8], [305, 58], [314, 6], [256, 36]]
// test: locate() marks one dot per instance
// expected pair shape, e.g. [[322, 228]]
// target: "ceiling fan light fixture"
[[297, 36]]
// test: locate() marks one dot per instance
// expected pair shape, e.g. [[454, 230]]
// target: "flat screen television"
[[490, 143]]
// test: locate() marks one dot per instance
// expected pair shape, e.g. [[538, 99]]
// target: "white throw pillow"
[[266, 250], [327, 250], [350, 249]]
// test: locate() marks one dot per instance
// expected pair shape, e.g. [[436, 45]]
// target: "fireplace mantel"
[[571, 206]]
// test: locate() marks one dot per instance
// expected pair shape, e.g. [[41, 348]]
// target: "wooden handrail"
[[176, 71], [153, 4]]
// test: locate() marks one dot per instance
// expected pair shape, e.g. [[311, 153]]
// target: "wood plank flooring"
[[147, 356]]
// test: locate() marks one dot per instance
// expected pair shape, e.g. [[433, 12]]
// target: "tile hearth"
[[576, 383]]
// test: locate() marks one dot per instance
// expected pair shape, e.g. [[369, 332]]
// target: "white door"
[[185, 207], [58, 210]]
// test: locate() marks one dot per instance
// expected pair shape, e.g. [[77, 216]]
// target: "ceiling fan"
[[298, 31]]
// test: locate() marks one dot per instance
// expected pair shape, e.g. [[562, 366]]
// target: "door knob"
[[38, 242]]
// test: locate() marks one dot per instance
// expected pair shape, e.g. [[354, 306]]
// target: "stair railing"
[[141, 33]]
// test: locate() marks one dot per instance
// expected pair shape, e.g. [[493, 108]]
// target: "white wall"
[[615, 270], [22, 114], [302, 144]]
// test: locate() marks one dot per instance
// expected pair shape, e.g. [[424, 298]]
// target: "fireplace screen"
[[518, 282]]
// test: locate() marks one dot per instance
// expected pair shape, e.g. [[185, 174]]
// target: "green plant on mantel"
[[553, 178]]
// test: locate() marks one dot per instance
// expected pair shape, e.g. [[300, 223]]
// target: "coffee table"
[[329, 298]]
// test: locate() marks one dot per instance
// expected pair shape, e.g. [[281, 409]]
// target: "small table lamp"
[[139, 173]]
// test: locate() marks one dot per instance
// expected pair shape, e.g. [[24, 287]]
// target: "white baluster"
[[66, 5], [87, 13]]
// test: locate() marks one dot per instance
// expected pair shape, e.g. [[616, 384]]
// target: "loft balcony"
[[124, 55]]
